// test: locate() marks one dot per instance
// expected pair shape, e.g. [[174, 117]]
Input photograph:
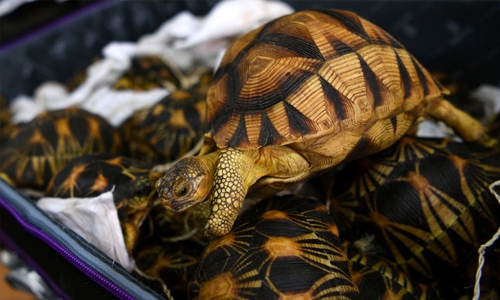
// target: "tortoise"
[[170, 128], [170, 264], [378, 278], [299, 95], [282, 248], [426, 201], [35, 151], [147, 72], [167, 226], [128, 179]]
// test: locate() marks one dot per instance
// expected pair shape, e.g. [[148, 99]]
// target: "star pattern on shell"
[[430, 210], [266, 250]]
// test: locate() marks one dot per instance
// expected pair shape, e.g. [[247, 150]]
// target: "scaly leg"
[[470, 129], [234, 174]]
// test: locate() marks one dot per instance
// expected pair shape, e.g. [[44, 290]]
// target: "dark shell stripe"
[[349, 21], [331, 66], [302, 47], [405, 76], [342, 107], [450, 218]]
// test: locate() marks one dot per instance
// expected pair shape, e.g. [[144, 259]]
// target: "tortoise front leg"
[[235, 173], [470, 129]]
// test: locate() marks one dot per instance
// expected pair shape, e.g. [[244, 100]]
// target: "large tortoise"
[[299, 95]]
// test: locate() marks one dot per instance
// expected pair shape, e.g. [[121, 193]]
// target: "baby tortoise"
[[128, 179], [299, 95], [151, 71], [377, 278], [170, 264], [282, 248], [172, 127], [167, 226], [426, 201], [35, 151]]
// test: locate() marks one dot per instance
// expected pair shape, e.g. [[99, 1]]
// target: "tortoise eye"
[[181, 189]]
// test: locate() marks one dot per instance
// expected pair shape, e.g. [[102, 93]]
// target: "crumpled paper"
[[94, 219], [489, 96]]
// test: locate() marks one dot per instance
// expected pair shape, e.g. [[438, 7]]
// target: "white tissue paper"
[[489, 96], [95, 220]]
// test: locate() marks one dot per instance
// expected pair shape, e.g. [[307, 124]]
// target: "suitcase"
[[459, 38]]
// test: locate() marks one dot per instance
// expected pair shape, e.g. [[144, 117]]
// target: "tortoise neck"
[[210, 160], [250, 163]]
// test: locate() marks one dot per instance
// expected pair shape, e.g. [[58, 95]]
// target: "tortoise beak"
[[176, 206]]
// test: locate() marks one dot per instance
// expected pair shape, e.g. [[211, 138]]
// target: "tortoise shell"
[[313, 74], [169, 129], [35, 151], [128, 179], [148, 72], [377, 278], [172, 264], [425, 200], [167, 226], [286, 247]]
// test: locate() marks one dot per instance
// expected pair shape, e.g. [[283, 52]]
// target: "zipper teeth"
[[103, 281], [95, 275]]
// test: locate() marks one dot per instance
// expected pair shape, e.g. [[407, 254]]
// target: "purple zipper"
[[77, 262], [33, 264]]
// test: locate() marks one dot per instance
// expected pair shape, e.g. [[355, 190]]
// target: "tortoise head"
[[187, 183]]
